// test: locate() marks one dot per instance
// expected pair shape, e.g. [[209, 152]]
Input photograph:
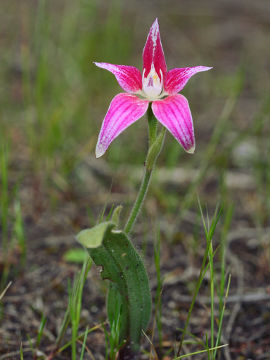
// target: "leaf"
[[122, 265], [116, 214], [155, 150], [77, 256]]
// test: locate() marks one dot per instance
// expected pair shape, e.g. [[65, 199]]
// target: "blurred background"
[[52, 103]]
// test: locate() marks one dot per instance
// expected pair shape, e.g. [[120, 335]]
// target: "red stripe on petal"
[[153, 52], [128, 77], [177, 78], [123, 111], [174, 113]]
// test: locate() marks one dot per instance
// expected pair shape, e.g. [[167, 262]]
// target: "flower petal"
[[177, 78], [174, 113], [123, 111], [128, 77], [153, 53]]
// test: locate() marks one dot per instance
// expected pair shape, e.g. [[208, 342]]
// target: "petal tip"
[[155, 22], [154, 29], [100, 150], [155, 26], [191, 150], [99, 65]]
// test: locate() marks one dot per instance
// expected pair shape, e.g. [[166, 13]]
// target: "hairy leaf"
[[121, 264]]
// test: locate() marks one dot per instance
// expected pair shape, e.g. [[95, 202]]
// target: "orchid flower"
[[156, 87]]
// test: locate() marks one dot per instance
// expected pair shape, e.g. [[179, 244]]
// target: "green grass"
[[112, 337], [40, 331], [75, 304], [209, 233], [11, 217], [213, 262], [72, 316], [19, 232], [61, 88], [84, 344]]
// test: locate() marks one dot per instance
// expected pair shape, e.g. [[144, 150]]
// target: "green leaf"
[[116, 215], [155, 150], [122, 265], [77, 256], [93, 238]]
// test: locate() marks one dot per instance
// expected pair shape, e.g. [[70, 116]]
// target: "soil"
[[40, 287]]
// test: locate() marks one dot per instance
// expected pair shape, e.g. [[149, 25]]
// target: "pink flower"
[[156, 86]]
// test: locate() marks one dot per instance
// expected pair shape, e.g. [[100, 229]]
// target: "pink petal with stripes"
[[123, 111], [177, 78], [128, 77], [174, 113], [153, 53]]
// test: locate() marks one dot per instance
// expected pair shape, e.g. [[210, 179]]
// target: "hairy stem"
[[139, 201], [155, 146]]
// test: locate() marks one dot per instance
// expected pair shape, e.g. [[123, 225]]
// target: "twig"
[[152, 346], [240, 286], [87, 349], [5, 290], [14, 353], [242, 298]]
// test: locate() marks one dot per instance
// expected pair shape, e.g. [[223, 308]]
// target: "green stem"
[[155, 146], [139, 201], [152, 126]]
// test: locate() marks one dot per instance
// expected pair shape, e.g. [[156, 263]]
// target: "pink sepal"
[[128, 77], [177, 78], [123, 111], [153, 52], [174, 113]]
